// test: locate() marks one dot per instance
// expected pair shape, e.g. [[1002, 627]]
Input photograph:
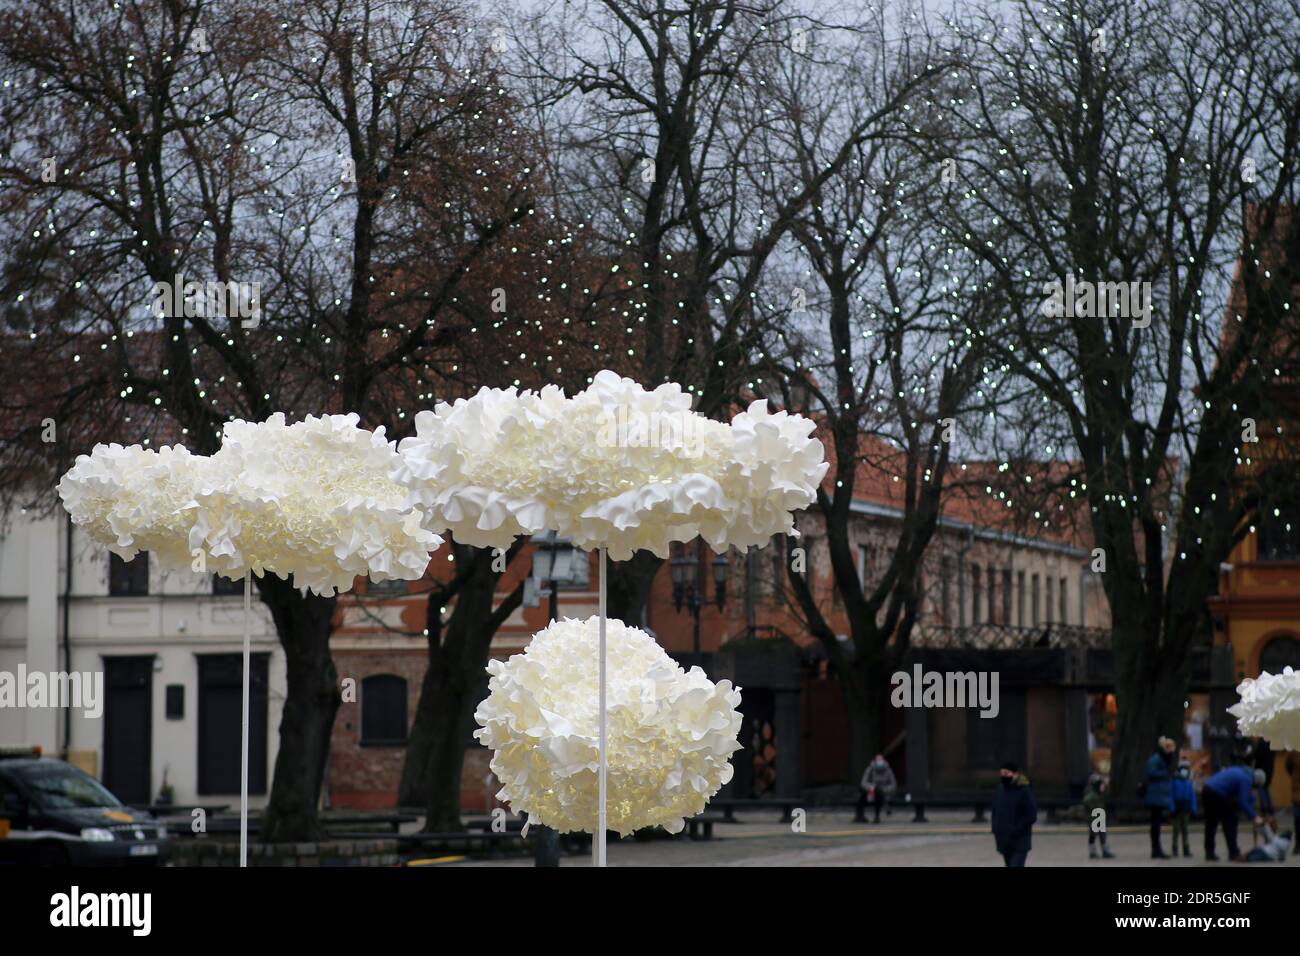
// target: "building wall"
[[1258, 603], [178, 620]]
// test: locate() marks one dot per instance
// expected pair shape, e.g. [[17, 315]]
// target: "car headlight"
[[97, 835]]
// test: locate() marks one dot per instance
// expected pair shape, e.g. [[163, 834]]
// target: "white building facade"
[[164, 649]]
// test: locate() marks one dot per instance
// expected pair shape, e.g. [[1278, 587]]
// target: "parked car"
[[57, 815]]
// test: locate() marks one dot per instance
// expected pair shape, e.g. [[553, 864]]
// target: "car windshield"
[[61, 787]]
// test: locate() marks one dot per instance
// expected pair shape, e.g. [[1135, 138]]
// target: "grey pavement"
[[832, 839]]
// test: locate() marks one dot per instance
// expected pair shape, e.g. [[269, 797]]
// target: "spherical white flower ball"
[[1270, 708], [670, 733]]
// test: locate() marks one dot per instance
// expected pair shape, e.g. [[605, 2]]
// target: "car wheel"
[[50, 855]]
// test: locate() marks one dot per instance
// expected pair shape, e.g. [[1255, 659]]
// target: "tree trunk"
[[628, 587], [864, 699], [452, 688], [1150, 688], [411, 792], [303, 623]]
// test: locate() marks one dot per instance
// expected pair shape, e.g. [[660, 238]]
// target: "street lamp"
[[554, 563], [688, 590]]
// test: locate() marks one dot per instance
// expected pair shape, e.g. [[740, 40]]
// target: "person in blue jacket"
[[1157, 790], [1014, 813], [1184, 794], [1223, 795]]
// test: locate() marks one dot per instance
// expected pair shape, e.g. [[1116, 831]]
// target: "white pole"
[[243, 754], [598, 846]]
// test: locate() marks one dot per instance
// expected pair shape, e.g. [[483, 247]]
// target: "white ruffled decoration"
[[670, 732], [136, 499], [614, 466], [313, 500], [1270, 708]]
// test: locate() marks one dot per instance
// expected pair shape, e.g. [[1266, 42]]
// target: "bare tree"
[[1121, 145], [874, 334], [356, 160]]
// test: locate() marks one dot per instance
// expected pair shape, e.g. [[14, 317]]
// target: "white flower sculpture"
[[670, 732], [614, 466], [135, 499], [1270, 708], [313, 500]]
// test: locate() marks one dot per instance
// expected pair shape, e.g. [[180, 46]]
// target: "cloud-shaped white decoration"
[[1270, 708], [314, 500], [614, 466], [670, 733], [136, 499]]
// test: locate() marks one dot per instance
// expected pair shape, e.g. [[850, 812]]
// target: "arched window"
[[1278, 653], [383, 711]]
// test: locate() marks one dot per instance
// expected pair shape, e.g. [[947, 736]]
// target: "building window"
[[1033, 584], [383, 711], [1020, 598], [993, 592], [1050, 589], [222, 586], [579, 578], [128, 578], [1278, 653], [977, 593], [1006, 596], [391, 588], [1061, 595]]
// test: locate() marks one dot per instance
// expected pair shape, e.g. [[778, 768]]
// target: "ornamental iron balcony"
[[1005, 637]]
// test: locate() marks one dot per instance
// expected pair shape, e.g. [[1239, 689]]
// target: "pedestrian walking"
[[1014, 813]]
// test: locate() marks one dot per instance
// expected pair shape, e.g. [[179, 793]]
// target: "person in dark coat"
[[1157, 790], [1014, 813]]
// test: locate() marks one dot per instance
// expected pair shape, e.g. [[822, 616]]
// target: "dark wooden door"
[[128, 727], [220, 706]]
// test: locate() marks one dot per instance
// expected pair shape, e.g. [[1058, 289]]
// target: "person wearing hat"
[[1223, 795], [1014, 814], [1157, 790], [1094, 799], [1184, 794]]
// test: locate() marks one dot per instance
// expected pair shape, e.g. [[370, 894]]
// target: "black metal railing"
[[1005, 637]]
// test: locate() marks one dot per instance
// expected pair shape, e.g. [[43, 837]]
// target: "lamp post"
[[688, 590], [553, 562]]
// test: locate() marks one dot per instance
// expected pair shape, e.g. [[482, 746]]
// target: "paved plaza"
[[832, 839]]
